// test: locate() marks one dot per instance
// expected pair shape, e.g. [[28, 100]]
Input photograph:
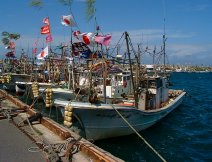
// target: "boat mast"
[[164, 53], [138, 66], [71, 65], [104, 79], [131, 71], [164, 43]]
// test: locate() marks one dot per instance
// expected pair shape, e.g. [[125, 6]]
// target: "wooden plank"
[[55, 128]]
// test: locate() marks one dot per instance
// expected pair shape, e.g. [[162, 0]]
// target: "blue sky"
[[188, 25]]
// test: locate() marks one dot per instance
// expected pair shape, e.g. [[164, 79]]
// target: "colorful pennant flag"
[[34, 50], [49, 38], [46, 21], [45, 29], [103, 39], [80, 48]]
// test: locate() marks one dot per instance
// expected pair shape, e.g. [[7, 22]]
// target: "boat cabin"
[[116, 85], [154, 92]]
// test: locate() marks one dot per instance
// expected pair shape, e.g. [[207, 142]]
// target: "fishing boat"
[[12, 78], [106, 120], [15, 70]]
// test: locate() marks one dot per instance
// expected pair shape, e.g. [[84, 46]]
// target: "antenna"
[[164, 36], [164, 17]]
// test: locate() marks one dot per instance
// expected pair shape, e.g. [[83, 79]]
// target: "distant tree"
[[36, 3], [66, 2], [7, 37], [90, 9]]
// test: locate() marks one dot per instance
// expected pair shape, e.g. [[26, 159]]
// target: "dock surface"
[[14, 145], [23, 142]]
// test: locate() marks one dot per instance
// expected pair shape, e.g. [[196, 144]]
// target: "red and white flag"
[[87, 38], [45, 29], [103, 39], [43, 53], [46, 21], [68, 20]]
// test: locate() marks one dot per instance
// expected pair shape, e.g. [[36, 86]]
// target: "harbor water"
[[184, 135]]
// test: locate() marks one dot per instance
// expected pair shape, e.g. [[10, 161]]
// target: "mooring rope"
[[139, 135], [53, 152]]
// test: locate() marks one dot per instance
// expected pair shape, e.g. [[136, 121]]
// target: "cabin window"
[[108, 81], [125, 78], [152, 84]]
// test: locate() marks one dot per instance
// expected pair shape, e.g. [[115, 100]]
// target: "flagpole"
[[69, 21], [72, 68]]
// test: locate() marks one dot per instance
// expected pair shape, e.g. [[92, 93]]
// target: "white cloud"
[[193, 7], [198, 7], [147, 37], [182, 50], [150, 35]]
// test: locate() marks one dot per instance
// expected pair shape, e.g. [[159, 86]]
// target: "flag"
[[80, 48], [68, 20], [10, 54], [87, 38], [43, 53], [49, 38], [34, 50], [45, 29], [103, 39], [11, 45], [46, 21], [76, 33]]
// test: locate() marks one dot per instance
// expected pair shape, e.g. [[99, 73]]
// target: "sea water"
[[184, 135]]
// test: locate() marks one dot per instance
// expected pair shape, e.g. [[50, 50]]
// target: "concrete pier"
[[15, 145], [39, 141]]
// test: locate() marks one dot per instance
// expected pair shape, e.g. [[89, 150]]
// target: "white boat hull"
[[102, 121], [58, 93], [11, 86]]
